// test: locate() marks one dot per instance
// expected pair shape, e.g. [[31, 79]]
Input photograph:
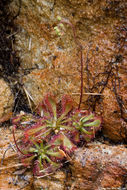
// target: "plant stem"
[[81, 88], [81, 58], [17, 145]]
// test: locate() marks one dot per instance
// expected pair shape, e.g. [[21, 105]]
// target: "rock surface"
[[100, 166], [101, 29], [53, 182], [12, 174], [6, 101], [95, 167]]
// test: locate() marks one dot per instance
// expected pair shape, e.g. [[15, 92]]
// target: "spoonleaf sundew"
[[50, 137]]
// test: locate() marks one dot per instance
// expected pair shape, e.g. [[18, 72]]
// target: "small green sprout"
[[59, 18], [57, 31]]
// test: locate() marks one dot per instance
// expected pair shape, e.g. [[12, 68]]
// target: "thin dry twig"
[[89, 93], [29, 97], [12, 166], [30, 43], [10, 146], [38, 177], [79, 45]]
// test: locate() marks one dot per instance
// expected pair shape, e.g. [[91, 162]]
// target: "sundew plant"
[[50, 137]]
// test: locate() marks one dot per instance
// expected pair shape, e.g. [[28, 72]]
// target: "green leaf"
[[87, 118], [87, 132], [95, 123], [54, 154], [59, 18], [68, 145]]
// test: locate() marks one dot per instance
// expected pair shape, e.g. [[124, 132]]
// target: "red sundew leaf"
[[42, 110], [26, 148], [75, 137], [34, 130], [87, 137], [50, 103], [16, 120], [46, 169], [67, 104], [84, 112], [68, 146], [47, 107], [62, 141], [51, 169], [24, 120], [36, 168], [28, 160]]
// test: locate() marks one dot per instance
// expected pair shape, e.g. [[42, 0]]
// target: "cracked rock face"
[[6, 101]]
